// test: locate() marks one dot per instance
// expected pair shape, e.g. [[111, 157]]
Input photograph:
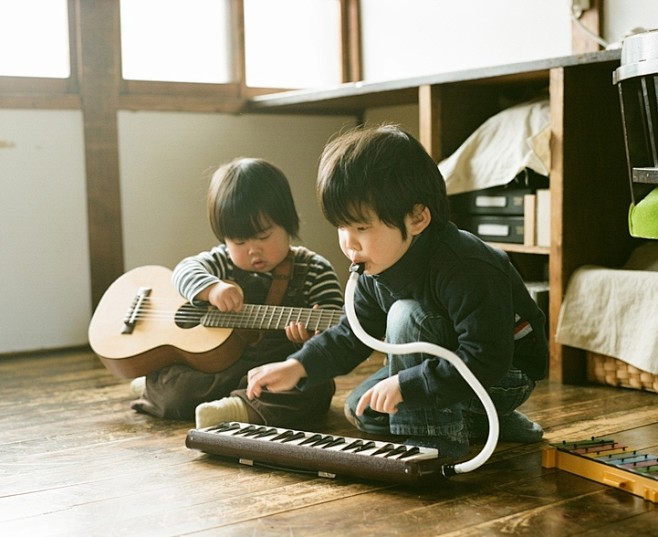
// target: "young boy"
[[252, 213], [424, 280]]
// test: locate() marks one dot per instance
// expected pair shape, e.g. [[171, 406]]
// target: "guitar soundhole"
[[188, 316]]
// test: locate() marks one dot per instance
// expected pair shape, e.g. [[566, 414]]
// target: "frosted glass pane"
[[292, 43], [34, 38], [434, 36], [176, 40]]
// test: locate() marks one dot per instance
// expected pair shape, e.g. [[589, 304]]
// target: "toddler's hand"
[[226, 296], [297, 332], [276, 377]]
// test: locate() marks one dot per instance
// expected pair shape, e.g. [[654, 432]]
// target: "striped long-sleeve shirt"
[[320, 285]]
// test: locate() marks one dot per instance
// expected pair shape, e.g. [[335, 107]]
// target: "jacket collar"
[[411, 267]]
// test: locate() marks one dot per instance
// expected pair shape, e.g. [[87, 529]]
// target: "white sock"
[[226, 409], [137, 386]]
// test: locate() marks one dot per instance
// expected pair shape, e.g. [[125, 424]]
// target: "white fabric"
[[501, 148], [615, 311]]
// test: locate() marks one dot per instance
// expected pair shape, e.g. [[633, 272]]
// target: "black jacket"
[[470, 284]]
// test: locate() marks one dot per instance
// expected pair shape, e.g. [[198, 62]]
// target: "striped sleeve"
[[322, 286], [193, 274]]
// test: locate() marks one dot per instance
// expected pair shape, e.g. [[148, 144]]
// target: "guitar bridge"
[[132, 315]]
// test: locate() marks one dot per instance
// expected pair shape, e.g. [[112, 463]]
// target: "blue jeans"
[[408, 322]]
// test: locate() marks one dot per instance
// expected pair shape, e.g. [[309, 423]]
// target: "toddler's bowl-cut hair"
[[383, 169], [246, 196]]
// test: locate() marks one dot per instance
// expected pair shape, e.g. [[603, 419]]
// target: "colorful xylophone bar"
[[607, 462]]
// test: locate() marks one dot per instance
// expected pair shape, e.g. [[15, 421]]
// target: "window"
[[292, 43], [176, 40], [287, 43], [34, 38], [452, 36]]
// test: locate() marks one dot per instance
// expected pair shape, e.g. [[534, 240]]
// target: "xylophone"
[[607, 462], [322, 454]]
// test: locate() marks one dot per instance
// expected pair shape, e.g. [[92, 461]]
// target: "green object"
[[643, 217]]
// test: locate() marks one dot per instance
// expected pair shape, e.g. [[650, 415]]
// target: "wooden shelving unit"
[[588, 178]]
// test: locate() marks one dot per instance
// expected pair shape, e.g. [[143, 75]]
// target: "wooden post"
[[429, 109], [592, 19], [99, 72]]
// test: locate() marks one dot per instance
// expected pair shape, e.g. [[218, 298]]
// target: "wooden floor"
[[75, 460]]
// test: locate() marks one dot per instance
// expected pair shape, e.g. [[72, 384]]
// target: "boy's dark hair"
[[248, 194], [384, 169]]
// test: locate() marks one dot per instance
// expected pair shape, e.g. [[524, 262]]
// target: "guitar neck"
[[264, 317]]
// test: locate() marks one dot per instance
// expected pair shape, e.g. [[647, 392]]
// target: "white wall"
[[166, 163], [44, 254], [165, 157], [622, 16], [434, 36], [430, 36]]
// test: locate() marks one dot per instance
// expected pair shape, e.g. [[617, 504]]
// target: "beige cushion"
[[501, 148]]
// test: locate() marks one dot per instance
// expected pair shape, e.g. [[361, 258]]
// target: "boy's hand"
[[276, 377], [385, 396]]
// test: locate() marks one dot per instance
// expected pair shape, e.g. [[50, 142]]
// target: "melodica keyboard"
[[322, 454]]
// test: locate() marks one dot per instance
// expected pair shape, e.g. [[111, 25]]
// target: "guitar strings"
[[251, 310], [252, 315]]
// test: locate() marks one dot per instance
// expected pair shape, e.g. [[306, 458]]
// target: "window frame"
[[64, 93], [39, 92], [95, 86]]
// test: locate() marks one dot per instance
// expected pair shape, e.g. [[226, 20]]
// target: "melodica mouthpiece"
[[357, 267]]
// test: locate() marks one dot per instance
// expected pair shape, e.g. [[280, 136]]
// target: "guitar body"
[[156, 340]]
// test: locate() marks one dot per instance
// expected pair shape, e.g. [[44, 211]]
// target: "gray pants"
[[174, 392]]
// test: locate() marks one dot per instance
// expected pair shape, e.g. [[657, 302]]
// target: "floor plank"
[[75, 460]]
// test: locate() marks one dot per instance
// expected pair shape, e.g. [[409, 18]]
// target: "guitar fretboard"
[[264, 317]]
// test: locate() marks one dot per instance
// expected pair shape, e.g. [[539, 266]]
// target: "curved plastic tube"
[[429, 348]]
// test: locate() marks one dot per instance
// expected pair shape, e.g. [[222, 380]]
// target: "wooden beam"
[[429, 120], [34, 92], [238, 47], [592, 19], [589, 191], [99, 71], [350, 30]]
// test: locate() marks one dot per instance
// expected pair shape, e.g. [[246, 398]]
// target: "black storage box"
[[495, 228], [490, 201]]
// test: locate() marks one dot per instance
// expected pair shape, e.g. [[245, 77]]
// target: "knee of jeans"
[[352, 400], [401, 320]]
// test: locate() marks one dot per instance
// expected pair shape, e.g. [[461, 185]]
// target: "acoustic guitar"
[[142, 324]]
